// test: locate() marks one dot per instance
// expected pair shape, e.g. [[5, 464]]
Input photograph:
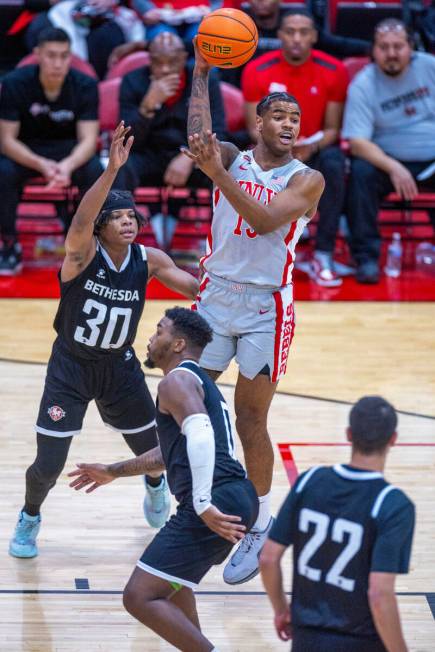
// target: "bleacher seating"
[[127, 64]]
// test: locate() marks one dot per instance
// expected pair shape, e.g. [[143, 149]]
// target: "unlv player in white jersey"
[[263, 198]]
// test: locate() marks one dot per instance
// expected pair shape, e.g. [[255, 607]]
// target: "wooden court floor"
[[341, 351]]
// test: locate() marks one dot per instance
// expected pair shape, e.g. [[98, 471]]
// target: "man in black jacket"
[[154, 101]]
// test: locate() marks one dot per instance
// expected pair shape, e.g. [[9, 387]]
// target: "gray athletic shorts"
[[253, 324]]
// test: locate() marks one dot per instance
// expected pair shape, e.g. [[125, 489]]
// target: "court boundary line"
[[424, 594], [309, 397], [289, 461]]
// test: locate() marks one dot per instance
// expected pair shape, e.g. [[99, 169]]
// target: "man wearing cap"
[[102, 282]]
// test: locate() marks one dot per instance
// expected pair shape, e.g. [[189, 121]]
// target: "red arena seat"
[[128, 63]]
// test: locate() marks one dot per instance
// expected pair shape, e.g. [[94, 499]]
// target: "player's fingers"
[[188, 153], [232, 517], [71, 474], [94, 486], [129, 143]]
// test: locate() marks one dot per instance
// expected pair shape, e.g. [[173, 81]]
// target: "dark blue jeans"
[[330, 162], [367, 186]]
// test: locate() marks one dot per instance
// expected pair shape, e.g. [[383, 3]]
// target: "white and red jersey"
[[234, 250]]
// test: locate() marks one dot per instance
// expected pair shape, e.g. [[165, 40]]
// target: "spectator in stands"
[[180, 17], [319, 82], [48, 127], [154, 101], [267, 15], [95, 28], [390, 123]]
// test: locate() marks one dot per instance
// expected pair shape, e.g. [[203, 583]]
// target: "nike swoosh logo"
[[263, 312]]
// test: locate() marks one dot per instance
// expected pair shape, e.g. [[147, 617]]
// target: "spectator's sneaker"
[[343, 270], [10, 260], [368, 272], [322, 272], [243, 564], [23, 543], [157, 503]]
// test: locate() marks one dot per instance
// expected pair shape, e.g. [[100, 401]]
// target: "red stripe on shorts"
[[278, 332]]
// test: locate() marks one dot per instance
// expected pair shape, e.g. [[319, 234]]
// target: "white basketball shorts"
[[251, 323]]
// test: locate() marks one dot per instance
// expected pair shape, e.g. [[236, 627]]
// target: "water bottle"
[[425, 258], [105, 147], [393, 266]]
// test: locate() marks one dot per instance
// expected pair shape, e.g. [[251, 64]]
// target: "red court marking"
[[290, 464]]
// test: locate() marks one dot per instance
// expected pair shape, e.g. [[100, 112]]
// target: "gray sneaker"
[[243, 564], [368, 272], [157, 503]]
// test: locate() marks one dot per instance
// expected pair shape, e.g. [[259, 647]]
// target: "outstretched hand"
[[206, 154], [119, 148], [200, 62], [90, 474], [226, 526]]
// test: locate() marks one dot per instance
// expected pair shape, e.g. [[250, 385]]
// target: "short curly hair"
[[190, 325], [278, 96]]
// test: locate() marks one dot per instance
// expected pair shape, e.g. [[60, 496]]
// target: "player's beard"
[[149, 363]]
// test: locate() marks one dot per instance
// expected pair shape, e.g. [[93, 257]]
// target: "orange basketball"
[[227, 38]]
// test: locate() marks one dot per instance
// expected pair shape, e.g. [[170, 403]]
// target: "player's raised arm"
[[164, 269], [80, 242], [299, 198], [181, 396], [199, 115]]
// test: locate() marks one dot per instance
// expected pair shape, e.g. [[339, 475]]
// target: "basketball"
[[227, 38]]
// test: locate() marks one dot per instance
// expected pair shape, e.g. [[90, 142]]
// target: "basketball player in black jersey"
[[217, 503], [351, 534], [102, 280]]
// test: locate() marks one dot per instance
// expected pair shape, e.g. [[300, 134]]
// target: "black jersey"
[[100, 309], [173, 442], [343, 524]]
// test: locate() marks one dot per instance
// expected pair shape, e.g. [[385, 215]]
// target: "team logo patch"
[[128, 355], [101, 273], [56, 413]]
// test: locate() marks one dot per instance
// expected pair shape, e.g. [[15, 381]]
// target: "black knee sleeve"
[[141, 442], [42, 475]]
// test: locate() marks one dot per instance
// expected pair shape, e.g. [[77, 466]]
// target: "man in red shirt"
[[319, 82]]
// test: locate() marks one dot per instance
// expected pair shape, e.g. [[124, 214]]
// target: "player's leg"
[[146, 598], [125, 405], [184, 598], [41, 476], [252, 402], [262, 359], [60, 417]]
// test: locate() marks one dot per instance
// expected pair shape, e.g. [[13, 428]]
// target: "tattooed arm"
[[199, 116], [96, 475]]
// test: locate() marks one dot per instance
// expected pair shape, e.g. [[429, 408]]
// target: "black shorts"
[[310, 639], [116, 382], [185, 548]]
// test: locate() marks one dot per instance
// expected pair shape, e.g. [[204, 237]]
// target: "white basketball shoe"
[[243, 564]]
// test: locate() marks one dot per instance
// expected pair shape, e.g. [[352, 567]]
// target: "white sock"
[[27, 516], [263, 513]]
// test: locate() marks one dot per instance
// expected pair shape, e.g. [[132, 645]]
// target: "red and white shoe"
[[321, 271]]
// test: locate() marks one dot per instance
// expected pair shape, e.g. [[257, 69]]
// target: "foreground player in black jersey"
[[351, 533], [102, 280], [217, 503]]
